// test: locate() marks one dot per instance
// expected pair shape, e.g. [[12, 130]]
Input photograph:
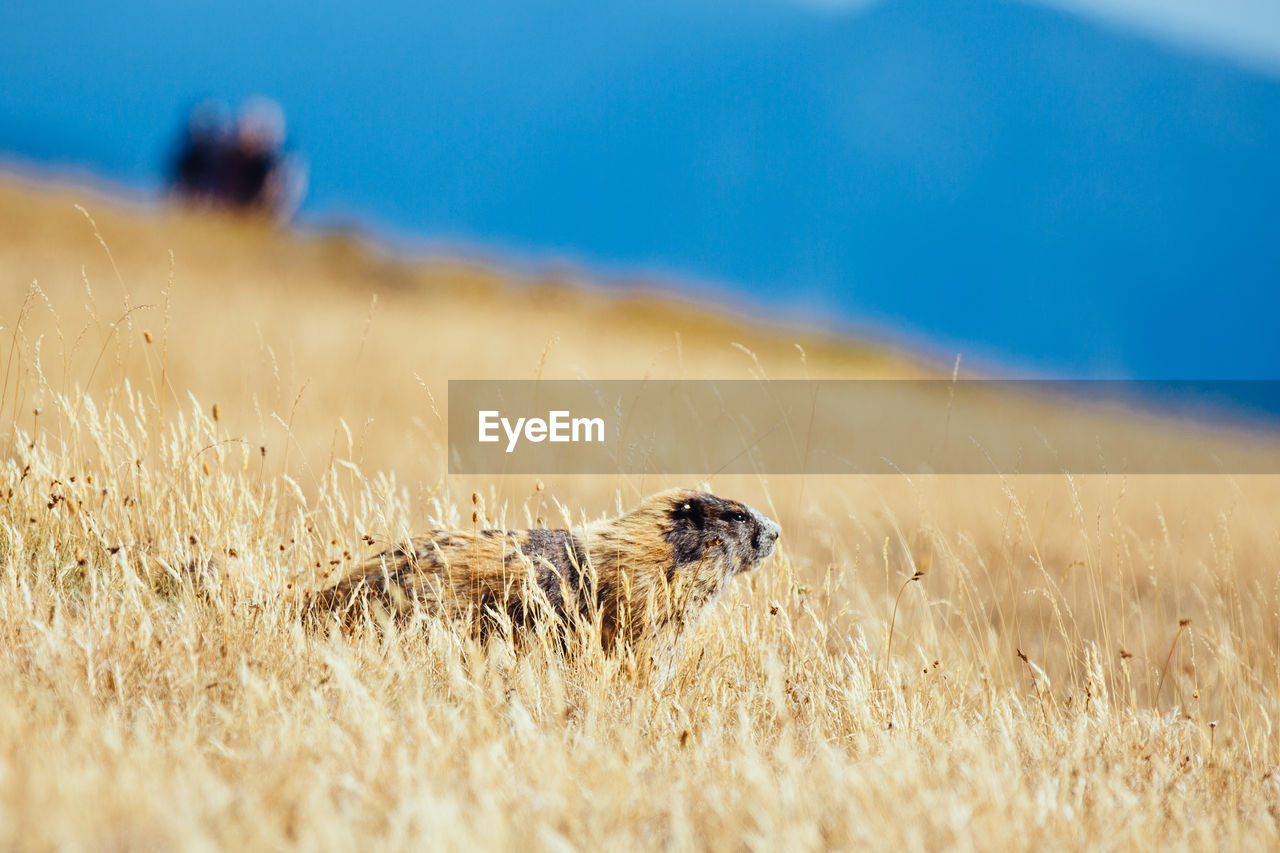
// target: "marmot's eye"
[[736, 516]]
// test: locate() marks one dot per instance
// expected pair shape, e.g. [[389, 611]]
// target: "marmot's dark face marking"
[[702, 521], [644, 574]]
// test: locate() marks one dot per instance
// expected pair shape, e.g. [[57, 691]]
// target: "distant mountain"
[[986, 177]]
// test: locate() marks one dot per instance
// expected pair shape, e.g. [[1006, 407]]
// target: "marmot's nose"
[[772, 530]]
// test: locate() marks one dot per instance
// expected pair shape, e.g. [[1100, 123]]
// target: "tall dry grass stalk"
[[163, 510]]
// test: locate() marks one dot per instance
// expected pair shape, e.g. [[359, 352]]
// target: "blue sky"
[[1047, 192]]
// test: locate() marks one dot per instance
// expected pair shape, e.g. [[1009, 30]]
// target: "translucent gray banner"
[[708, 427]]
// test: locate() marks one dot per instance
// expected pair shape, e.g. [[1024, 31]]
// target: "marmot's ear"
[[691, 509]]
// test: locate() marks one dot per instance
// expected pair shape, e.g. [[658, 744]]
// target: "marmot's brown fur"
[[652, 570]]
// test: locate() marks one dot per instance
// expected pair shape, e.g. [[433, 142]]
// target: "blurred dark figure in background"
[[206, 137], [253, 165], [240, 166]]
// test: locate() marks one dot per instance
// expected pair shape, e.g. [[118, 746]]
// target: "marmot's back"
[[462, 574]]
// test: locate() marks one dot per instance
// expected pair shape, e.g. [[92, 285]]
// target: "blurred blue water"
[[983, 177]]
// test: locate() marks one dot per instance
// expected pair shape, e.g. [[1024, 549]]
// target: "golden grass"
[[1042, 691]]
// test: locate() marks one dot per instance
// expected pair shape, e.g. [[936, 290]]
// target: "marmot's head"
[[714, 532]]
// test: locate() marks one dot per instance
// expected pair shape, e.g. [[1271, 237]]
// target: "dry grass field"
[[929, 663]]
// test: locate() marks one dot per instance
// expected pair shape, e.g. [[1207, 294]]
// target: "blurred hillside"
[[316, 345]]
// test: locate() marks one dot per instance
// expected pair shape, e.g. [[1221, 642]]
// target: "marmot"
[[650, 571]]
